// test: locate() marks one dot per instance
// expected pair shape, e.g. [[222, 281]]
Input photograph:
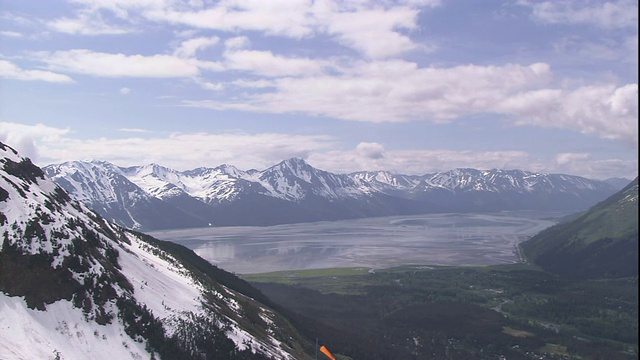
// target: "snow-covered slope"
[[385, 181], [74, 286], [496, 180], [221, 184], [294, 191], [115, 194]]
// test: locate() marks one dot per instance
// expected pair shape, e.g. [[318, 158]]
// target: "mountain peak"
[[229, 170], [154, 169], [294, 163]]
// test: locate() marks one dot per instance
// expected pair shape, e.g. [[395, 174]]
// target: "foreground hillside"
[[601, 242], [153, 197], [74, 286]]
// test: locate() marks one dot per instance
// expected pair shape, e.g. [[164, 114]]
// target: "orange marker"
[[325, 351]]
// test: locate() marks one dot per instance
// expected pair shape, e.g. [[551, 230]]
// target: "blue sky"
[[414, 86]]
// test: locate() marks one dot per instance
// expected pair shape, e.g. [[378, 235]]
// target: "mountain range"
[[153, 197], [74, 286]]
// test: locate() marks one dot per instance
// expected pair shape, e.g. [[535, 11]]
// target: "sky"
[[410, 86]]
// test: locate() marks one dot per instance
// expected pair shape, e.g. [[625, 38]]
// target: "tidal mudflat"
[[432, 239]]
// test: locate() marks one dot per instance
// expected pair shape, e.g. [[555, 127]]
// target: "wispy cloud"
[[267, 64], [608, 15], [13, 34], [188, 48], [134, 130], [86, 24], [11, 71], [87, 62]]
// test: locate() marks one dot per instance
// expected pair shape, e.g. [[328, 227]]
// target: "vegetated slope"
[[74, 286], [601, 242], [153, 197], [421, 312]]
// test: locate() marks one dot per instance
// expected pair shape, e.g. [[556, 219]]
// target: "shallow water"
[[432, 239]]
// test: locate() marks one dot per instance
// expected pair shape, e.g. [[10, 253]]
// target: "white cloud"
[[607, 15], [393, 91], [133, 130], [125, 91], [370, 150], [212, 86], [82, 61], [188, 48], [606, 111], [13, 34], [584, 164], [605, 49], [122, 9], [27, 138], [267, 64], [238, 42], [86, 24], [257, 84], [11, 71], [372, 32], [567, 158], [284, 18]]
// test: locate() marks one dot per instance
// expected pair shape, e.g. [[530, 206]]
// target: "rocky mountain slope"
[[601, 242], [74, 286], [153, 197]]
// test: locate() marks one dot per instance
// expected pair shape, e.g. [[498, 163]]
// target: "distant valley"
[[153, 197]]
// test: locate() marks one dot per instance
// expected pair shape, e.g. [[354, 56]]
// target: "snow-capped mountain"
[[295, 180], [294, 191], [74, 286], [497, 190], [110, 191], [385, 181]]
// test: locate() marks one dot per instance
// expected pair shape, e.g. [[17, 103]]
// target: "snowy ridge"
[[385, 181], [74, 286], [156, 180], [226, 195], [294, 180], [497, 180]]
